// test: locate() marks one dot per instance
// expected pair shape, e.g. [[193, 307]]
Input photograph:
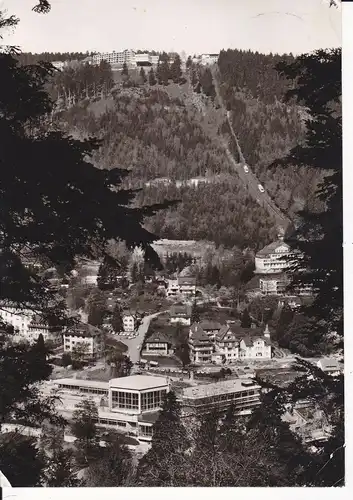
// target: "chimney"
[[267, 332]]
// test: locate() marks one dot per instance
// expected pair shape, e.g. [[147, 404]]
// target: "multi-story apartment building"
[[18, 318], [83, 335], [127, 57], [38, 327], [244, 394], [183, 285], [229, 343], [128, 404], [187, 286], [210, 328], [271, 264], [200, 346], [208, 59], [274, 258]]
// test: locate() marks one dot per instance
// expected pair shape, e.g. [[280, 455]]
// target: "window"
[[125, 400], [151, 400], [145, 430]]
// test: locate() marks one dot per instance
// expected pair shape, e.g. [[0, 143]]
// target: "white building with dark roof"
[[180, 313], [157, 344], [274, 258], [83, 335]]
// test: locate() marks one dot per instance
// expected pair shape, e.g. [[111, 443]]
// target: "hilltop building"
[[129, 57]]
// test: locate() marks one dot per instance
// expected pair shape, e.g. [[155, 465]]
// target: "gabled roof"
[[247, 341], [157, 337], [116, 343], [83, 330], [210, 325], [271, 248], [186, 280], [197, 333], [180, 310]]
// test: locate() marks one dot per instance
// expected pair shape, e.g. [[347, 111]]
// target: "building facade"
[[86, 337], [158, 345], [129, 404], [244, 394], [128, 57], [200, 346], [180, 313], [129, 322], [229, 343], [28, 325], [274, 258], [19, 319]]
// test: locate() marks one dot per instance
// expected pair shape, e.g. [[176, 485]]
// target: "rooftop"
[[157, 337], [138, 382], [180, 309], [83, 330], [197, 332], [271, 248], [96, 384], [186, 280], [210, 325], [218, 388], [328, 364]]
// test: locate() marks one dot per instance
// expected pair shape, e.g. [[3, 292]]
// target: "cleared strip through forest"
[[249, 179]]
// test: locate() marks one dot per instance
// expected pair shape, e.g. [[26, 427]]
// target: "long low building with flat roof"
[[244, 394], [129, 403]]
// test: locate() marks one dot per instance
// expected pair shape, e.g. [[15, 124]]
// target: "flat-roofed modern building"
[[130, 404], [244, 394]]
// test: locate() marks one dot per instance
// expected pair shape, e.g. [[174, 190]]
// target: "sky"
[[193, 26]]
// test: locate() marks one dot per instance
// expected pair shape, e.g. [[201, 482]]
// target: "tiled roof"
[[210, 325], [158, 337], [186, 280], [180, 310], [197, 333], [83, 330], [271, 248], [222, 332]]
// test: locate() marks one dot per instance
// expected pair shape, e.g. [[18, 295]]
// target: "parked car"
[[246, 169], [261, 188]]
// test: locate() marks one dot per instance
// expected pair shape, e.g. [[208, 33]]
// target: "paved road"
[[249, 179], [135, 343]]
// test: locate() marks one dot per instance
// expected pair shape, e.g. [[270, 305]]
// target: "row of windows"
[[125, 400], [145, 430], [107, 421], [226, 397], [87, 390], [152, 400]]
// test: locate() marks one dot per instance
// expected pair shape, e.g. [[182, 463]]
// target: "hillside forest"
[[167, 130]]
